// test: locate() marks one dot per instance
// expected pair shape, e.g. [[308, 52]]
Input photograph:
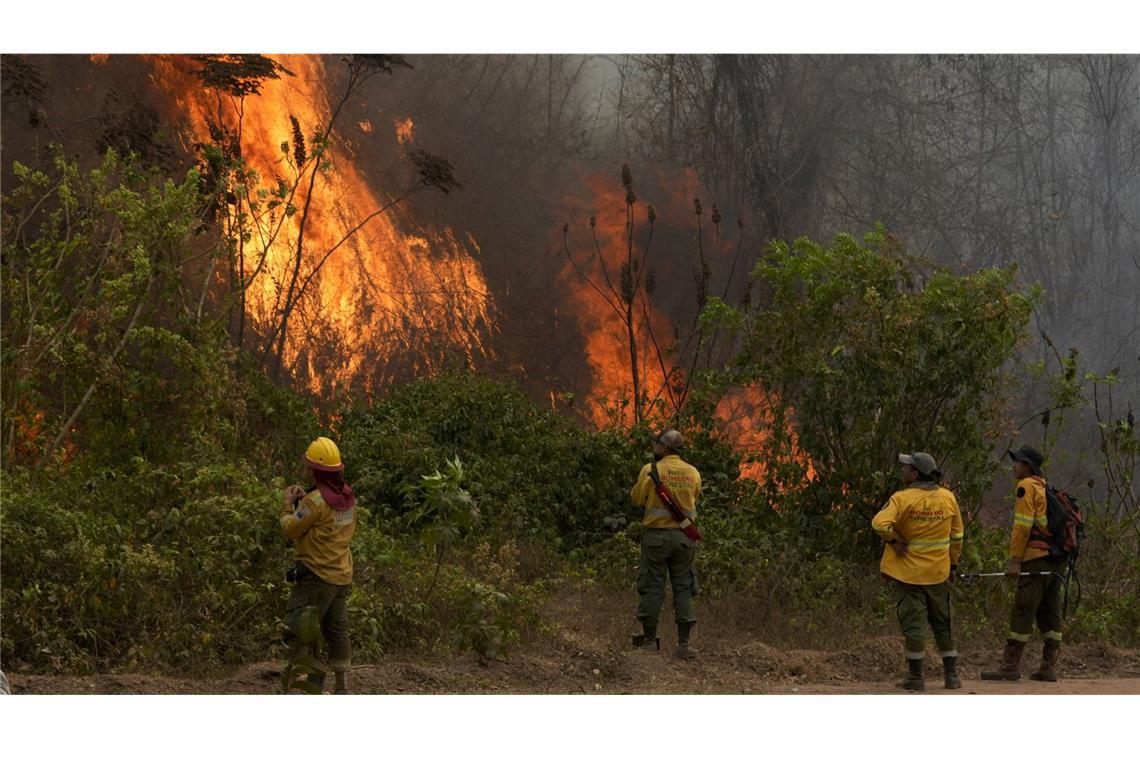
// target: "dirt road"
[[756, 669], [584, 649]]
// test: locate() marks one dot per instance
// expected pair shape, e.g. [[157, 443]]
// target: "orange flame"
[[746, 422], [606, 335], [744, 412], [607, 338], [384, 291], [29, 424], [404, 129]]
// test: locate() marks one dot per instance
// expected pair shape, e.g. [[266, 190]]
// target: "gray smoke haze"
[[975, 161]]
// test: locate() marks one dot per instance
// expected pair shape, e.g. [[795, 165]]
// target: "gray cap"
[[922, 462], [672, 439]]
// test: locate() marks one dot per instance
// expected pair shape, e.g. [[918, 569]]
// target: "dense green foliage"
[[861, 352], [536, 474], [104, 343], [182, 566]]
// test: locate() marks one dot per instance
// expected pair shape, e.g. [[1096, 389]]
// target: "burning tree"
[[628, 297], [281, 234], [662, 357]]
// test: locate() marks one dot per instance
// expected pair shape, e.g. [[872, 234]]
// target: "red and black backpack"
[[1066, 526]]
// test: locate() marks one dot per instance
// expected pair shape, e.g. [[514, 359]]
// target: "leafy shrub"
[[146, 567], [183, 567], [863, 351], [483, 625], [534, 473]]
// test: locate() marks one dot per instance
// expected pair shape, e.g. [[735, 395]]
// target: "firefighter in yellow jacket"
[[1038, 596], [321, 521], [665, 549], [922, 527]]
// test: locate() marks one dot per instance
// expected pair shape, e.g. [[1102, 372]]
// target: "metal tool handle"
[[997, 575]]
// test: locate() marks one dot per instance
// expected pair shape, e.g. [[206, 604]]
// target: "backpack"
[[1066, 531], [1066, 525]]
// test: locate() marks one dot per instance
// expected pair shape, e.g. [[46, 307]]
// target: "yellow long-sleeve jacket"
[[1028, 512], [926, 517], [682, 479], [322, 535]]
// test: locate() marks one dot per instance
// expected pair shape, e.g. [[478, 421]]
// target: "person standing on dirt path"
[[922, 527], [1038, 597], [321, 521], [665, 549]]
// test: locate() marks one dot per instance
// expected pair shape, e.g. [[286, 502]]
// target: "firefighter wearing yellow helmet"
[[321, 520]]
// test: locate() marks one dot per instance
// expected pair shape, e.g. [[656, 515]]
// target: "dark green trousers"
[[1038, 598], [331, 603], [919, 606], [666, 553]]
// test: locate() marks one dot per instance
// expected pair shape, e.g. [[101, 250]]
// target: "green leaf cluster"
[[864, 351]]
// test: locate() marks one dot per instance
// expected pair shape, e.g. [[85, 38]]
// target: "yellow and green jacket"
[[322, 535], [681, 478], [926, 517], [1028, 512]]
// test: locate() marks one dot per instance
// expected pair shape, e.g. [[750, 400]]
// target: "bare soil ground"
[[587, 651]]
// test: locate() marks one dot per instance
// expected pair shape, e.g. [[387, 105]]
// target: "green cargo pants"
[[331, 603], [919, 605], [1038, 598], [666, 552]]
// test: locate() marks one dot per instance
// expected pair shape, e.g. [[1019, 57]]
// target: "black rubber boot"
[[1010, 668], [913, 680], [341, 682], [950, 673], [683, 650], [649, 642], [1049, 655]]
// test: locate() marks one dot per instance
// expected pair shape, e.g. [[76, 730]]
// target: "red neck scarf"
[[337, 494]]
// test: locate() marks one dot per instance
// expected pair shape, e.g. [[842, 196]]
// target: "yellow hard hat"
[[323, 455]]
